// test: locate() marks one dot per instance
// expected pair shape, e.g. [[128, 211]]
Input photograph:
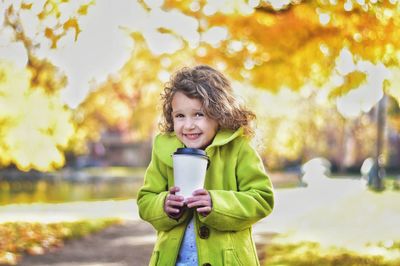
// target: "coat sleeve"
[[152, 195], [253, 200]]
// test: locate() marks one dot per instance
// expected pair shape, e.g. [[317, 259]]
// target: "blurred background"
[[79, 105]]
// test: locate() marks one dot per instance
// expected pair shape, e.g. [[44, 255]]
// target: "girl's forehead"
[[182, 102], [183, 95]]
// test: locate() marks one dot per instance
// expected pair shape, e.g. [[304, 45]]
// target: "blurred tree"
[[52, 25], [278, 44], [273, 45], [291, 44], [270, 45], [35, 125]]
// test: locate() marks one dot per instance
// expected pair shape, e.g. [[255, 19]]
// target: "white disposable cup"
[[190, 167]]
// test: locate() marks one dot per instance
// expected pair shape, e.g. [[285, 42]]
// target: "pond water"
[[55, 190]]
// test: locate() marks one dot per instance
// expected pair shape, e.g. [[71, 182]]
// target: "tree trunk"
[[378, 170]]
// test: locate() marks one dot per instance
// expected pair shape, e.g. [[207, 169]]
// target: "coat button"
[[204, 232], [207, 264]]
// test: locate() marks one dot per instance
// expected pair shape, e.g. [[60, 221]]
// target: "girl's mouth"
[[192, 136]]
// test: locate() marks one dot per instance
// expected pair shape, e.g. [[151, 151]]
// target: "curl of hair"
[[215, 93]]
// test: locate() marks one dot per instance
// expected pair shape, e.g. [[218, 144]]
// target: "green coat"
[[241, 194]]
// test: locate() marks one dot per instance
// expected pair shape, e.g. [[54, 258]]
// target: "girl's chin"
[[188, 141], [192, 144], [195, 146]]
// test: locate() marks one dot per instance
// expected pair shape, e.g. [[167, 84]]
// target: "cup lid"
[[191, 151]]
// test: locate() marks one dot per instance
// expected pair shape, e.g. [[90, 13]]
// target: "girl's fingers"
[[198, 198], [173, 203], [204, 210], [200, 191], [171, 210], [173, 190], [201, 200], [199, 203], [175, 198]]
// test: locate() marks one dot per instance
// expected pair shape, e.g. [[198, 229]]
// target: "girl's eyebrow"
[[194, 110]]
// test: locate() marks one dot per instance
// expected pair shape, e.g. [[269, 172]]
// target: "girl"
[[213, 227]]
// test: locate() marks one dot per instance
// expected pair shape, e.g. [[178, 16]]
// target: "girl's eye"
[[179, 115], [199, 114]]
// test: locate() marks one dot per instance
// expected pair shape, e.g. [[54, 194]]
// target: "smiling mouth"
[[192, 136]]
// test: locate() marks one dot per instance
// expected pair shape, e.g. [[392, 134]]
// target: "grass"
[[392, 182], [311, 253], [17, 238]]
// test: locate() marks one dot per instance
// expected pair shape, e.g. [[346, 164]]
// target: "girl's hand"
[[201, 200], [174, 204]]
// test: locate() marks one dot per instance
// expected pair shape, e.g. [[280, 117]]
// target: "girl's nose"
[[189, 124]]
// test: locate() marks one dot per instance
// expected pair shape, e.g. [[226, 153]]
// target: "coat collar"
[[223, 137], [166, 144]]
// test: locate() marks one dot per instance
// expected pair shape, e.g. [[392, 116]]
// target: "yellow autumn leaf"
[[83, 9], [72, 23], [26, 5], [351, 81]]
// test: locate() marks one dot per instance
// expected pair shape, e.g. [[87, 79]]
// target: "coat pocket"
[[154, 258], [231, 258]]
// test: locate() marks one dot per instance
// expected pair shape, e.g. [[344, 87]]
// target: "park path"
[[72, 211], [127, 244]]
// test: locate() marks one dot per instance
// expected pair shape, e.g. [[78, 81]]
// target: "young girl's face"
[[191, 125]]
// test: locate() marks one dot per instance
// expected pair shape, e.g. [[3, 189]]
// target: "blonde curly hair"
[[214, 91]]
